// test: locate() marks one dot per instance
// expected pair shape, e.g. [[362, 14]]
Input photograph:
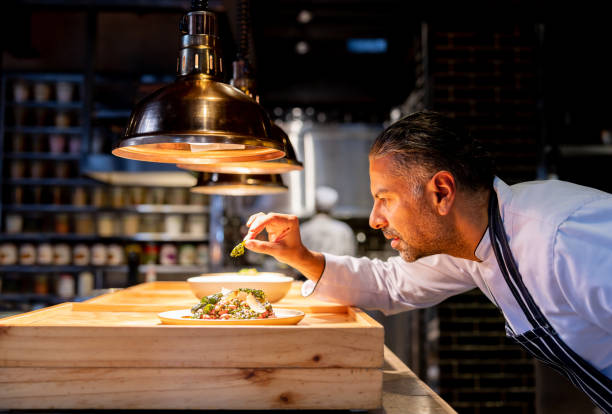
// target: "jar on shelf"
[[62, 254], [79, 196], [99, 197], [74, 144], [65, 286], [81, 255], [106, 224], [99, 254], [150, 223], [21, 91], [8, 254], [85, 284], [41, 284], [117, 197], [62, 223], [14, 223], [57, 143], [84, 223], [131, 221], [42, 92], [196, 224], [44, 254], [168, 254], [150, 254], [115, 254], [64, 91], [187, 255], [62, 119], [173, 224], [27, 254], [201, 255], [178, 196]]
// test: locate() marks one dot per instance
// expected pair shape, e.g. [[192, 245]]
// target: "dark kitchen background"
[[333, 73]]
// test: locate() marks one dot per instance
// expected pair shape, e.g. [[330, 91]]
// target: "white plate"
[[183, 317], [274, 285]]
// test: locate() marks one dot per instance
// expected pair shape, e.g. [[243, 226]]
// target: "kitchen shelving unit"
[[24, 134]]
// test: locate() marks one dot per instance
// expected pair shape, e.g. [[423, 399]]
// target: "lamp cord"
[[243, 30], [199, 5]]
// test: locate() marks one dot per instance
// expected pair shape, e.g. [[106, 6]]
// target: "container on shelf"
[[99, 197], [79, 196], [37, 169], [201, 255], [84, 223], [106, 224], [173, 223], [8, 254], [27, 254], [85, 284], [150, 254], [74, 144], [187, 255], [18, 142], [196, 224], [116, 256], [17, 169], [81, 255], [64, 91], [57, 143], [130, 224], [65, 286], [62, 254], [42, 92], [117, 197], [14, 222], [62, 119], [150, 223], [41, 284], [44, 253], [21, 91], [99, 254], [168, 254], [62, 224]]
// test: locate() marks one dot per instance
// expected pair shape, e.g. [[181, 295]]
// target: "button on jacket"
[[560, 235]]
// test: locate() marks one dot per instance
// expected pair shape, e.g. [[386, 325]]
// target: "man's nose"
[[377, 221]]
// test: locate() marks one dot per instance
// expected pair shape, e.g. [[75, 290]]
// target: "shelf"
[[41, 156], [58, 269], [46, 77], [168, 237], [111, 113], [51, 181], [169, 269], [34, 297], [70, 237], [50, 208], [169, 208], [47, 104], [142, 208], [44, 130], [585, 150]]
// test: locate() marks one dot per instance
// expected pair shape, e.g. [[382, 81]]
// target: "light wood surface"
[[164, 296], [108, 353]]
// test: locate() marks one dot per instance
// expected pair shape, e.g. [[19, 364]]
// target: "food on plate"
[[248, 271], [238, 250], [242, 303]]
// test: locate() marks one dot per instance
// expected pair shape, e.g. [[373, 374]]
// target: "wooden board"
[[164, 296], [189, 388], [60, 336]]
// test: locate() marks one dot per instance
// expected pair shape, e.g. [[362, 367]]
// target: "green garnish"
[[238, 250], [250, 271]]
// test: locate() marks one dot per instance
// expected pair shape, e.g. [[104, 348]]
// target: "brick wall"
[[487, 78]]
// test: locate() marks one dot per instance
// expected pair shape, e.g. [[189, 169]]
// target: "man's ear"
[[443, 189]]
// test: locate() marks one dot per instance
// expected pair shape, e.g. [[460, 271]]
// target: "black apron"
[[543, 342]]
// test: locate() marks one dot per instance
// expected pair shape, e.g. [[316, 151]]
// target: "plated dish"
[[275, 285], [184, 317]]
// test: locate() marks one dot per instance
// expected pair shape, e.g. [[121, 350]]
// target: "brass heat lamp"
[[198, 119], [239, 184]]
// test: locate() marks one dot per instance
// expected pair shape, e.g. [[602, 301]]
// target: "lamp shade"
[[239, 184], [283, 165], [198, 119]]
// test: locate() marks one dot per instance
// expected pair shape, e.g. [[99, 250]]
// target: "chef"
[[323, 233], [540, 251]]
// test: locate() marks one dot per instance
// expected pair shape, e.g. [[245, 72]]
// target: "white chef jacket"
[[323, 233], [560, 235]]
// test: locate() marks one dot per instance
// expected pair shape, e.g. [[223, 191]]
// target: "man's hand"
[[284, 243]]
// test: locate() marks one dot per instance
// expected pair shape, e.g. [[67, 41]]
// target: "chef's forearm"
[[310, 264]]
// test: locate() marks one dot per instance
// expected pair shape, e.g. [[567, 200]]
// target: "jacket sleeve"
[[582, 261], [390, 286]]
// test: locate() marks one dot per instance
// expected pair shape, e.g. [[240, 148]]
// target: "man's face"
[[407, 219]]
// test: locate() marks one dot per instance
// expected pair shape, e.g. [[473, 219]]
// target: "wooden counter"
[[112, 352]]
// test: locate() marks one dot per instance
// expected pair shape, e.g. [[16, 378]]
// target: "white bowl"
[[274, 285]]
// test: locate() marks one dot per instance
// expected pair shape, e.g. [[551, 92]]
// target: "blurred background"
[[75, 220]]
